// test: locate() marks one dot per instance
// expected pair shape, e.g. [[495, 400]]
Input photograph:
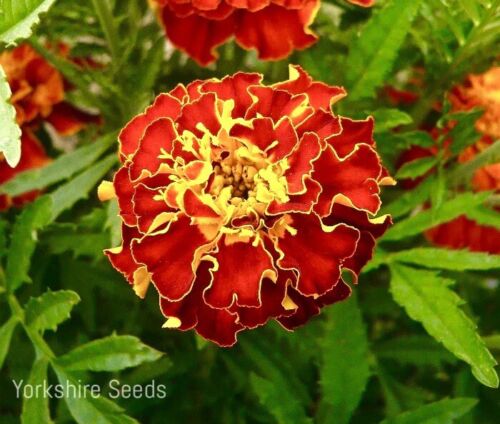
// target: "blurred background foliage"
[[404, 349]]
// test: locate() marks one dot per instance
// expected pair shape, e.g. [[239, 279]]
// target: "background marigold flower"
[[243, 202], [38, 96], [478, 91], [273, 27]]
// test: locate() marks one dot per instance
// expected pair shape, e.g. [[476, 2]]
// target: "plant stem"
[[107, 24], [38, 341]]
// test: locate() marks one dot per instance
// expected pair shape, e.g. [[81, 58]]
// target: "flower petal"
[[170, 257], [237, 280], [316, 252]]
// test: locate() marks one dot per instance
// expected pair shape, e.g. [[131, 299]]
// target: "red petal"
[[234, 87], [353, 133], [322, 123], [123, 261], [275, 104], [261, 31], [298, 203], [157, 136], [124, 193], [218, 325], [195, 208], [68, 120], [165, 106], [354, 177], [208, 33], [301, 162], [169, 257], [250, 5], [321, 95], [315, 253], [200, 112], [237, 280], [364, 3], [264, 134], [147, 208]]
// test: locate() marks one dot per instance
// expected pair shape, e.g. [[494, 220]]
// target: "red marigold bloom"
[[243, 202], [37, 95], [38, 92], [273, 27]]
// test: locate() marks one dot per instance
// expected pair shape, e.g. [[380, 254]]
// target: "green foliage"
[[344, 343], [427, 298], [443, 412], [420, 355], [10, 133], [51, 309], [36, 408], [373, 53], [18, 17], [23, 241], [113, 353]]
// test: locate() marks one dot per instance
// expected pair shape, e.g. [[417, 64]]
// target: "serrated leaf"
[[386, 119], [416, 350], [10, 133], [454, 260], [464, 132], [24, 237], [50, 309], [113, 353], [445, 411], [431, 217], [87, 409], [416, 168], [62, 168], [36, 408], [5, 336], [373, 53], [484, 216], [79, 187], [426, 297], [18, 17], [276, 402], [344, 343]]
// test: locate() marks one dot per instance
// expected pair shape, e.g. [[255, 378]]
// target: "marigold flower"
[[478, 91], [273, 27], [38, 96], [243, 202]]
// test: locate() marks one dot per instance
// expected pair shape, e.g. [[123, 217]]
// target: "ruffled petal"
[[170, 257], [259, 30], [316, 252], [237, 280], [351, 180]]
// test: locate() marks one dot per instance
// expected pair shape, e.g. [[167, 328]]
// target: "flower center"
[[238, 176]]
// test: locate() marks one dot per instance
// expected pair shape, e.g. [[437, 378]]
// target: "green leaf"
[[427, 298], [484, 216], [386, 119], [464, 131], [445, 411], [113, 353], [36, 408], [5, 336], [10, 133], [80, 241], [50, 309], [373, 53], [454, 260], [344, 343], [417, 167], [62, 168], [277, 402], [78, 188], [24, 237], [416, 350], [493, 342], [432, 217], [410, 199], [87, 409], [18, 17]]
